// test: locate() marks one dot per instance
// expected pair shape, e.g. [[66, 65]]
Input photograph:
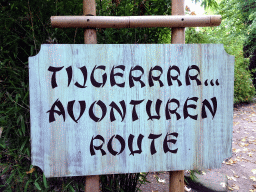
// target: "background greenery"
[[25, 25]]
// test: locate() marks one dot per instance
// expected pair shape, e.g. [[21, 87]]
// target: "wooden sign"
[[105, 109]]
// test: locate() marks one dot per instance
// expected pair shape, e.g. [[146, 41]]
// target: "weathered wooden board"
[[178, 115]]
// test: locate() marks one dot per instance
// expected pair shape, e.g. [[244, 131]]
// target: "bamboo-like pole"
[[92, 183], [134, 21], [176, 178]]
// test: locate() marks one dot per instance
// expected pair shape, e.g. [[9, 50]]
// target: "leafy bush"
[[242, 21], [25, 25], [244, 91]]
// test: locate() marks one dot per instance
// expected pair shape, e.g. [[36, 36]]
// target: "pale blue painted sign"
[[105, 109]]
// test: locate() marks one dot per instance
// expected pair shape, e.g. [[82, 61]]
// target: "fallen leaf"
[[253, 171], [254, 186], [253, 178], [231, 178], [161, 180], [31, 170], [243, 139], [250, 154], [229, 188], [223, 184], [234, 173], [244, 177], [186, 188], [243, 144], [236, 150], [230, 162], [236, 187]]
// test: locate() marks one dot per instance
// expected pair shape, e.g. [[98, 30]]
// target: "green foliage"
[[242, 21], [122, 182], [137, 35], [243, 87], [233, 40], [207, 3], [25, 25]]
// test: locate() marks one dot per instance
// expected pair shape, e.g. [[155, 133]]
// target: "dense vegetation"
[[241, 17], [25, 25], [237, 34]]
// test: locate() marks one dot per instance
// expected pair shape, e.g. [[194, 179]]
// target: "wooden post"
[[92, 183], [178, 34], [176, 178], [89, 9]]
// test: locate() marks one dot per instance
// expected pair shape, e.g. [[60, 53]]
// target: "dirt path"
[[241, 167]]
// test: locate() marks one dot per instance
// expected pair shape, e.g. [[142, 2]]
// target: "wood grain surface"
[[64, 146]]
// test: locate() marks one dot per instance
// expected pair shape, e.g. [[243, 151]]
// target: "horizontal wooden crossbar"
[[134, 21]]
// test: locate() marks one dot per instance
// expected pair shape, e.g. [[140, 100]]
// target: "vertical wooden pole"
[[92, 183], [178, 34], [89, 9], [176, 178]]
